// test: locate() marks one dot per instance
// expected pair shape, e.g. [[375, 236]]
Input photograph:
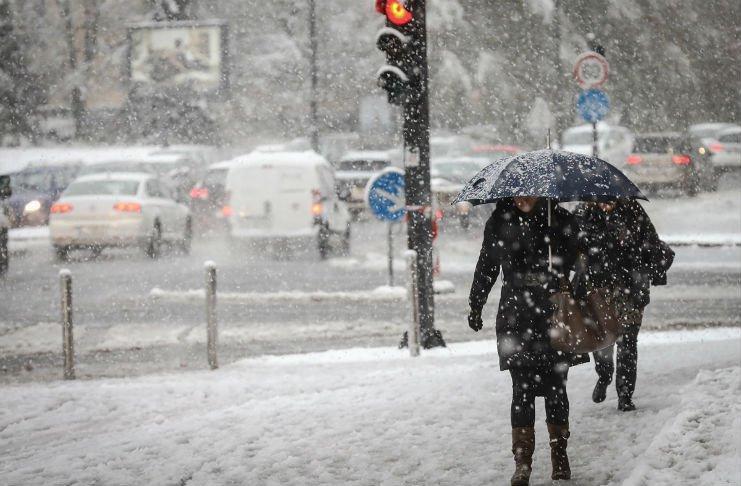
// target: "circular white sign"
[[591, 70]]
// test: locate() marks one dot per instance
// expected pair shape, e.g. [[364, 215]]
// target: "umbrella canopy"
[[557, 175]]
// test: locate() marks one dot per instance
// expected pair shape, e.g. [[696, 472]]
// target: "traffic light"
[[396, 77]]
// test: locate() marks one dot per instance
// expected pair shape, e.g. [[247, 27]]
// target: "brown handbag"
[[583, 327]]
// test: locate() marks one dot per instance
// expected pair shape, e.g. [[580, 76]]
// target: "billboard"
[[165, 55]]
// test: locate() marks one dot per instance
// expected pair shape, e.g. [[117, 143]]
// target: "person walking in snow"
[[624, 254], [516, 241]]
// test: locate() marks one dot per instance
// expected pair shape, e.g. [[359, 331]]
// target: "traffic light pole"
[[313, 128], [417, 177]]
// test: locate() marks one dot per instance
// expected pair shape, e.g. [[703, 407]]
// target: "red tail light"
[[61, 208], [681, 159], [317, 206], [199, 193], [716, 147], [127, 207], [227, 211], [381, 6], [634, 159]]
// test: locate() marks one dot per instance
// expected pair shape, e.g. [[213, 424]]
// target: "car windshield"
[[657, 145], [459, 172], [40, 180], [215, 177], [709, 131], [363, 165], [112, 187]]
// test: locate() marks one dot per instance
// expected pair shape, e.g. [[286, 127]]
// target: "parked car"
[[666, 159], [492, 152], [354, 170], [208, 197], [447, 178], [118, 209], [726, 149], [286, 197], [614, 143], [35, 189]]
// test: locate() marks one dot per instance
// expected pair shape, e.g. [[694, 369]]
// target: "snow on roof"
[[307, 158], [601, 126], [365, 155], [224, 164], [139, 176]]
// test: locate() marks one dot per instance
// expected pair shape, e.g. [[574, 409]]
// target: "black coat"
[[622, 250], [517, 244]]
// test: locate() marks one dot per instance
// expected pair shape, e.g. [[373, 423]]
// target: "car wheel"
[[4, 257], [153, 247], [692, 185], [323, 242], [61, 253], [187, 240]]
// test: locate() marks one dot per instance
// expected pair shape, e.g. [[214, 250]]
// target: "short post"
[[595, 145], [391, 253], [211, 330], [68, 342], [413, 293]]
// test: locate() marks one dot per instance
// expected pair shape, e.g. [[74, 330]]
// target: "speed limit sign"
[[591, 70]]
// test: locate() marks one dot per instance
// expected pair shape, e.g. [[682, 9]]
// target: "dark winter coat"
[[517, 244], [622, 250]]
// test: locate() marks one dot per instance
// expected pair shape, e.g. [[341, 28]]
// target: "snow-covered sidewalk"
[[375, 417]]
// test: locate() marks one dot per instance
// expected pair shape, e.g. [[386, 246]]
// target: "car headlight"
[[32, 206]]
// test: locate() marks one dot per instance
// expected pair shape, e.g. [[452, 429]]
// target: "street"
[[133, 315]]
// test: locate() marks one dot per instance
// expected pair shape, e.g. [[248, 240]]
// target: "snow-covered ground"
[[376, 417]]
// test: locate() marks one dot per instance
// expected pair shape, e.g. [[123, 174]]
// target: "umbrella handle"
[[550, 249]]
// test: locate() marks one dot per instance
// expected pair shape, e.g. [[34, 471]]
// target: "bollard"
[[412, 292], [211, 330], [68, 342]]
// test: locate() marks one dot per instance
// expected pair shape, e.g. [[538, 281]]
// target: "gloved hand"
[[474, 320]]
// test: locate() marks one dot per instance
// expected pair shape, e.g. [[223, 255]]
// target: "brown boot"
[[523, 445], [559, 435]]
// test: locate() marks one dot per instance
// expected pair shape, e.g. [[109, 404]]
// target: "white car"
[[118, 209], [285, 197], [726, 151], [614, 143]]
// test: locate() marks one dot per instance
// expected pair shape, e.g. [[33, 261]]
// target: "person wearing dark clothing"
[[516, 242], [624, 254]]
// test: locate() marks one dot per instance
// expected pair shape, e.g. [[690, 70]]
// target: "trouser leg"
[[555, 397], [523, 398], [627, 362], [603, 364]]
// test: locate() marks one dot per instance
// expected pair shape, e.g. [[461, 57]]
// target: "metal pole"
[[211, 330], [595, 150], [68, 342], [313, 129], [391, 253], [417, 178], [413, 331]]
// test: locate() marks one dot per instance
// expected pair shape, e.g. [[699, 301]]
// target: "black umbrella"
[[553, 174]]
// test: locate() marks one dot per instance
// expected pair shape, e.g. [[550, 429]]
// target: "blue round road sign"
[[384, 195], [593, 105]]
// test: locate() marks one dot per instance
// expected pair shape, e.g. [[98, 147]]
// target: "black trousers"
[[627, 362], [528, 383]]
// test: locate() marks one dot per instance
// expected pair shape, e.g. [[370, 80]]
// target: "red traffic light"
[[395, 11]]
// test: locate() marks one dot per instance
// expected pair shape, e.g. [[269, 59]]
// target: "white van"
[[614, 143], [286, 196]]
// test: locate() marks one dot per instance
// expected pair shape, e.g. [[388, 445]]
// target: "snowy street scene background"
[[147, 143]]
